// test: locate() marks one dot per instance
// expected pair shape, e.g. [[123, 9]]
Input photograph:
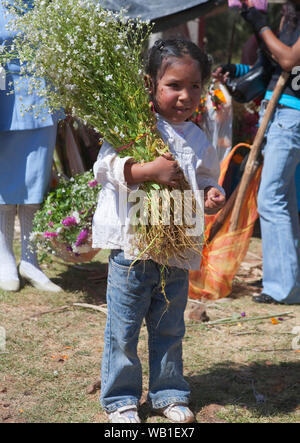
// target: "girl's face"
[[178, 90]]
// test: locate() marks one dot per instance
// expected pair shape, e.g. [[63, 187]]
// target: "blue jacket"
[[12, 115]]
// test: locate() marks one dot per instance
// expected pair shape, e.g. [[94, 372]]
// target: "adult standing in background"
[[27, 141], [277, 202]]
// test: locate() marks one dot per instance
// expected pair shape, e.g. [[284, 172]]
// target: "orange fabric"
[[224, 254]]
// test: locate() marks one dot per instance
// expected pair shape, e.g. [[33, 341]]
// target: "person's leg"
[[166, 330], [25, 165], [29, 267], [277, 206], [9, 279], [129, 291]]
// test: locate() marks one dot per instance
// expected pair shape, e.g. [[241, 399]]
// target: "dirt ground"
[[245, 371]]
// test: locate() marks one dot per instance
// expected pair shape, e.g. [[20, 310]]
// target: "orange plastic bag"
[[223, 255]]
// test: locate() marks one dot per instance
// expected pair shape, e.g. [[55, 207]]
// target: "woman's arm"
[[286, 56]]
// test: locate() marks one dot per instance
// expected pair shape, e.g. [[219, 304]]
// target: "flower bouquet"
[[91, 60], [63, 225]]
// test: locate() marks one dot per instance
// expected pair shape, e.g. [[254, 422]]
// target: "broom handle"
[[217, 225], [255, 150], [224, 212]]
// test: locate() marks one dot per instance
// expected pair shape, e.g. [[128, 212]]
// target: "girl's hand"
[[213, 199], [163, 170], [166, 171]]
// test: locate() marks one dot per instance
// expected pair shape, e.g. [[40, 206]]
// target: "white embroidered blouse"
[[195, 155]]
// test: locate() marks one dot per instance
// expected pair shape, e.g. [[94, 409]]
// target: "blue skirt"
[[25, 165]]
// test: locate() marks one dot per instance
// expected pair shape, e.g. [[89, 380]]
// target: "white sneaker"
[[47, 287], [178, 413], [10, 285], [126, 414], [43, 284]]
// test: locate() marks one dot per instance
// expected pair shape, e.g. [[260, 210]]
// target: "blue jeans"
[[277, 207], [132, 295]]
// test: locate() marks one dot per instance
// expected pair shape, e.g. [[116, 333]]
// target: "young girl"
[[176, 71]]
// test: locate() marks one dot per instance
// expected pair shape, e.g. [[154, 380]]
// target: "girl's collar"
[[175, 125]]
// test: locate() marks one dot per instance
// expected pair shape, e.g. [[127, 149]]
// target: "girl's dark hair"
[[163, 49]]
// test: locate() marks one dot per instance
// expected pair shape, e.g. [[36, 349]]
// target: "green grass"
[[52, 359]]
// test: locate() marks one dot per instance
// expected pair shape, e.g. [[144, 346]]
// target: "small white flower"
[[76, 216]]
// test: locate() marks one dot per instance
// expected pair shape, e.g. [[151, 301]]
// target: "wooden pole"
[[255, 150], [218, 223]]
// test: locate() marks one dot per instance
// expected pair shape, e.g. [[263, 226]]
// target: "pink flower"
[[49, 212], [51, 224], [69, 221], [93, 183], [50, 234], [82, 237]]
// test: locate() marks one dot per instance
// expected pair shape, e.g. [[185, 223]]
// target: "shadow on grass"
[[89, 278], [228, 384], [264, 388]]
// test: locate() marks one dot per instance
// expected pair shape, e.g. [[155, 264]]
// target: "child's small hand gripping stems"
[[163, 170], [214, 199]]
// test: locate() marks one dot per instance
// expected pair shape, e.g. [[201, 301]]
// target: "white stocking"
[[29, 262], [8, 267]]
